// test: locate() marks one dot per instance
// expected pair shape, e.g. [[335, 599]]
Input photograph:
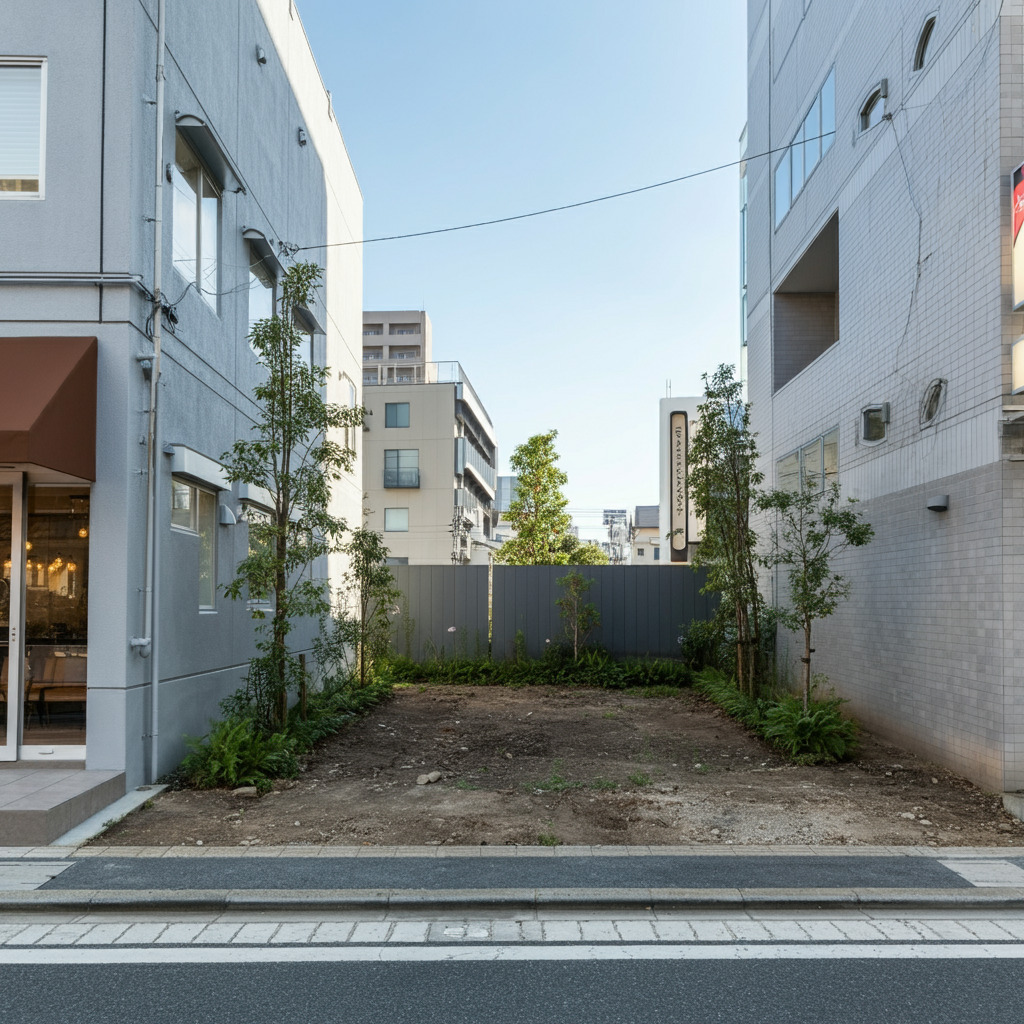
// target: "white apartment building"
[[429, 448], [880, 323]]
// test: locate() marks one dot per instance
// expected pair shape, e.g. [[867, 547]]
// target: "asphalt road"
[[647, 872], [890, 991]]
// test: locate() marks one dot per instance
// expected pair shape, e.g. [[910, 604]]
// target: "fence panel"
[[444, 609], [435, 599]]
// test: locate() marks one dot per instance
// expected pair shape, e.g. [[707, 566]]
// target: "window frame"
[[882, 408], [823, 142], [205, 178], [42, 63], [388, 407], [397, 460], [260, 274], [823, 441], [396, 529], [197, 528], [875, 101], [924, 40]]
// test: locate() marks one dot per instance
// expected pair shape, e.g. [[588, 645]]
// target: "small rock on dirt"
[[247, 791]]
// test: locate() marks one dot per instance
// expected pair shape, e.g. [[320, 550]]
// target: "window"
[[812, 141], [396, 414], [22, 128], [260, 546], [194, 510], [811, 467], [396, 520], [872, 111], [196, 225], [639, 552], [657, 554], [396, 560], [402, 467], [262, 291], [921, 54], [372, 329], [932, 401], [874, 421]]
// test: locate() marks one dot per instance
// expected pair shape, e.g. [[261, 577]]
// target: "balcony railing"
[[402, 477]]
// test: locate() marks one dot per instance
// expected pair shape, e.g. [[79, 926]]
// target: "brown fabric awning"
[[48, 403]]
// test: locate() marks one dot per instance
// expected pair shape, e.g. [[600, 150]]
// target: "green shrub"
[[705, 644], [819, 735], [235, 753]]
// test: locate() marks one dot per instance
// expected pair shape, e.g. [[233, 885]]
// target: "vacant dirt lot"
[[542, 765]]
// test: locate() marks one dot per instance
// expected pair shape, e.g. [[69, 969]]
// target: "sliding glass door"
[[44, 551]]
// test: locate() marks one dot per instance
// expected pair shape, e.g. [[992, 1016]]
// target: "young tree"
[[722, 479], [292, 455], [538, 511], [580, 617], [369, 585], [812, 526]]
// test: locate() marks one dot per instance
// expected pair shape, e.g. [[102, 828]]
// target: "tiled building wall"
[[927, 648]]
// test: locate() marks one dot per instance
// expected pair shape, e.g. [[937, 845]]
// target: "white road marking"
[[988, 873], [231, 929], [433, 954]]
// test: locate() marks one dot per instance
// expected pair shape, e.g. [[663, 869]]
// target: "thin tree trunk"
[[808, 651]]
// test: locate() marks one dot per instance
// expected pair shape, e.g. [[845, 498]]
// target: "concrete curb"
[[462, 902]]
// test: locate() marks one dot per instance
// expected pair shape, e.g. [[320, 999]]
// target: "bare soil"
[[577, 766]]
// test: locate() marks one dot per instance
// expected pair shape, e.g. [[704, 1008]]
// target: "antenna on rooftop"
[[668, 388]]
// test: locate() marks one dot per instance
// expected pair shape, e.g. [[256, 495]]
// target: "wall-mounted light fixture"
[[938, 503], [261, 55], [302, 136]]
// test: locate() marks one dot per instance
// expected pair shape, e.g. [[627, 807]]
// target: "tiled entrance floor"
[[40, 803]]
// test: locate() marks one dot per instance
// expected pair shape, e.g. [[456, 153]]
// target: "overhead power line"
[[550, 209]]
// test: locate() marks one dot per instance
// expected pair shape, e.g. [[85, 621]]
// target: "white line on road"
[[434, 954]]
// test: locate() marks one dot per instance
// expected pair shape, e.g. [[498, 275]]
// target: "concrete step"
[[39, 804]]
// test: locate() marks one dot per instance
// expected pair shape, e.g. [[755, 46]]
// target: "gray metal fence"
[[444, 609]]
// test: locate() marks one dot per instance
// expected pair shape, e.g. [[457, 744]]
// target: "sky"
[[456, 111]]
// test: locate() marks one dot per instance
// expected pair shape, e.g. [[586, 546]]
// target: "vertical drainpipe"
[[146, 645]]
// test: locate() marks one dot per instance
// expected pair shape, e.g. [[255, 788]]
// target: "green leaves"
[[292, 454]]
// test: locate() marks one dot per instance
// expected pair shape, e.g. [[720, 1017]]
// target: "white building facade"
[[879, 332]]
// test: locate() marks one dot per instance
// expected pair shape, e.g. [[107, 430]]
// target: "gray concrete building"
[[430, 453], [106, 665], [880, 326]]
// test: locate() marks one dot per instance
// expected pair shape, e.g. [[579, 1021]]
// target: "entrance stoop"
[[38, 805]]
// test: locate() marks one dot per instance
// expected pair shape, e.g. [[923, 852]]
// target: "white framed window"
[[874, 423], [813, 139], [921, 53], [262, 290], [396, 520], [873, 110], [196, 222], [22, 127], [812, 467], [194, 510]]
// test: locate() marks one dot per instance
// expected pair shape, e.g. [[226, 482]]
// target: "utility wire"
[[550, 209]]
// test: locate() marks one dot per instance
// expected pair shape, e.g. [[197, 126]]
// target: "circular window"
[[932, 401]]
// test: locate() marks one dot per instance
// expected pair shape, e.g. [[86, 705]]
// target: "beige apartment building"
[[430, 452], [645, 540]]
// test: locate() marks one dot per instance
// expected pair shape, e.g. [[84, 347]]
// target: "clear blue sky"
[[462, 110]]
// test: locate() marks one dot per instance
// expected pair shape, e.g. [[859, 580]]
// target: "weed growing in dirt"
[[602, 783], [640, 778], [465, 784], [555, 782], [548, 839], [819, 735], [609, 714]]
